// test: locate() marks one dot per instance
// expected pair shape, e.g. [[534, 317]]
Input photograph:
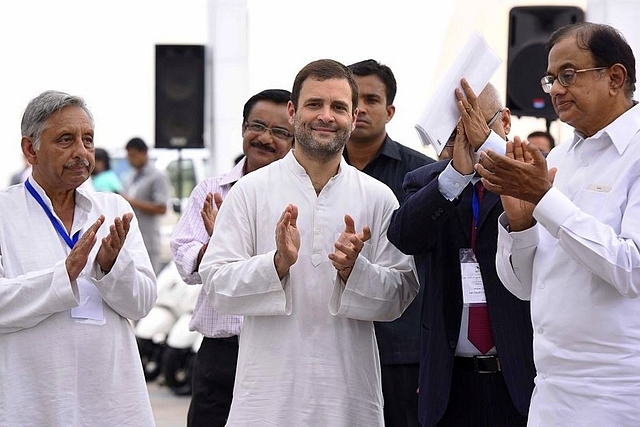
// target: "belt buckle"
[[477, 367]]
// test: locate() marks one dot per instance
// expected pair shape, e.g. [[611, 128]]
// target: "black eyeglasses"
[[278, 133], [490, 123], [566, 77]]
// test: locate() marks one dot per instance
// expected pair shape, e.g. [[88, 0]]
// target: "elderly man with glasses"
[[476, 365], [569, 240]]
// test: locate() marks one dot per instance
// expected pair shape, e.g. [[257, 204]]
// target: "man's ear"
[[355, 119], [505, 117], [291, 111], [391, 111], [617, 76], [28, 150]]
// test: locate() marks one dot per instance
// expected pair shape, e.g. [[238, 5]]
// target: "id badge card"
[[90, 309], [472, 286]]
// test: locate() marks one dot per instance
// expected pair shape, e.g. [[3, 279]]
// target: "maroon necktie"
[[479, 324]]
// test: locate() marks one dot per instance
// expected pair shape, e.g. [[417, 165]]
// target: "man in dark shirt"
[[372, 151]]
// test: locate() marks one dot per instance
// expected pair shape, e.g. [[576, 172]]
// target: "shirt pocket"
[[593, 200]]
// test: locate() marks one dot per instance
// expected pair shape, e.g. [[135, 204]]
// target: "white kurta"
[[580, 267], [56, 370], [308, 354]]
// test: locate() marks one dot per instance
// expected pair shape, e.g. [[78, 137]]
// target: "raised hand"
[[77, 258], [113, 242], [348, 247], [519, 212], [520, 177], [523, 175], [464, 157], [474, 122], [287, 240], [209, 212]]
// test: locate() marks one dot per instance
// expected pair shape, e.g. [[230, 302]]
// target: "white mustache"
[[77, 163]]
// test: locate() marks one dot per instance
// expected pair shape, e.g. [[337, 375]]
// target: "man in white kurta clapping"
[[73, 271], [300, 249]]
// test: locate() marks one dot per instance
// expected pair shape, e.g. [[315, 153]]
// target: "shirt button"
[[540, 330]]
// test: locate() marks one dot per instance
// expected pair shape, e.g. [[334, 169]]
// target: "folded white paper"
[[477, 63]]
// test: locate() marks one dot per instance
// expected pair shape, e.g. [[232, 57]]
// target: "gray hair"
[[42, 107]]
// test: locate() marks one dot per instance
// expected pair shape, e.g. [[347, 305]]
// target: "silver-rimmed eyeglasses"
[[279, 133], [566, 77]]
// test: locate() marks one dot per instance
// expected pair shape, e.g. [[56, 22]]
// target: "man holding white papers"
[[476, 366], [476, 63]]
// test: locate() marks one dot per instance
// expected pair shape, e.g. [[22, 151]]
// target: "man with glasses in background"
[[476, 366], [569, 238], [267, 136]]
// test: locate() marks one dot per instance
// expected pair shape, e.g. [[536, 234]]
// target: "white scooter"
[[174, 306], [180, 353]]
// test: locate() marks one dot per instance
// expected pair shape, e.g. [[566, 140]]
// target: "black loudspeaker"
[[529, 30], [179, 96]]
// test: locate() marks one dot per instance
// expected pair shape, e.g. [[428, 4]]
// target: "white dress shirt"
[[580, 267]]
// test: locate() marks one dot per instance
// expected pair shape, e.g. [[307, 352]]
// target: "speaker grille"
[[179, 96], [529, 30]]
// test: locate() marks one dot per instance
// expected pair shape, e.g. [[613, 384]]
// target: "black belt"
[[233, 339], [478, 364]]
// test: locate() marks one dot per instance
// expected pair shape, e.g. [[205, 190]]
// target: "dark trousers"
[[213, 377], [480, 400], [400, 392]]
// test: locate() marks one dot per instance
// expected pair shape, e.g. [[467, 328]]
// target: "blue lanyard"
[[71, 241], [475, 206]]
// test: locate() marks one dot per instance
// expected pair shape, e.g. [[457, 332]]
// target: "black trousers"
[[212, 387], [400, 392], [480, 400]]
